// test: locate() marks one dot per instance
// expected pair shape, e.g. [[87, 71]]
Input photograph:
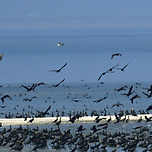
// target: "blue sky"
[[80, 14]]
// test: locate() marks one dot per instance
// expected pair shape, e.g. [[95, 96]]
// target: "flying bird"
[[117, 104], [149, 108], [121, 88], [116, 54], [148, 95], [58, 70], [134, 97], [108, 71], [29, 99], [6, 96], [123, 68], [101, 99], [56, 85], [129, 92], [60, 44], [30, 88], [1, 56]]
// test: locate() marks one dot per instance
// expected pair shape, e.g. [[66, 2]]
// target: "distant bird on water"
[[58, 70], [1, 56], [60, 44], [115, 54]]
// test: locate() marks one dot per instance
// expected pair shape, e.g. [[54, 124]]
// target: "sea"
[[29, 57]]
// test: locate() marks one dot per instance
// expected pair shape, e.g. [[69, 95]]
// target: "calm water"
[[28, 58]]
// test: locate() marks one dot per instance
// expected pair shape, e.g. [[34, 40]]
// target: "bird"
[[129, 92], [149, 108], [58, 70], [117, 104], [116, 54], [56, 85], [41, 113], [101, 99], [27, 99], [121, 88], [60, 44], [109, 70], [29, 88], [1, 56], [148, 119], [134, 97], [31, 120], [148, 95], [123, 68], [58, 122], [80, 128], [6, 96]]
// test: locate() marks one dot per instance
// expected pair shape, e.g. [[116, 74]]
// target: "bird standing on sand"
[[116, 54], [1, 56]]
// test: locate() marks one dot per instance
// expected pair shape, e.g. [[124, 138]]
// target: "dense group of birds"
[[95, 137]]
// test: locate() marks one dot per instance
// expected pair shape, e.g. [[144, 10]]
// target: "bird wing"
[[63, 66], [25, 87]]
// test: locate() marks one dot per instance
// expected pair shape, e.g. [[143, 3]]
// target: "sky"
[[80, 14]]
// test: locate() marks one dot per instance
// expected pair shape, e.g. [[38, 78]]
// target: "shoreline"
[[65, 120]]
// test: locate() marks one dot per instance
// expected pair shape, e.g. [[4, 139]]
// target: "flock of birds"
[[94, 138]]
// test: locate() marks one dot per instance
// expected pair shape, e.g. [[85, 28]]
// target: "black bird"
[[117, 104], [80, 128], [149, 89], [121, 88], [148, 95], [58, 122], [72, 119], [123, 68], [6, 96], [149, 108], [27, 99], [30, 88], [148, 119], [134, 97], [102, 124], [42, 114], [41, 83], [55, 120], [129, 92], [116, 54], [109, 70], [31, 120], [102, 75], [101, 99], [140, 119], [97, 119], [58, 70], [56, 85], [94, 129]]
